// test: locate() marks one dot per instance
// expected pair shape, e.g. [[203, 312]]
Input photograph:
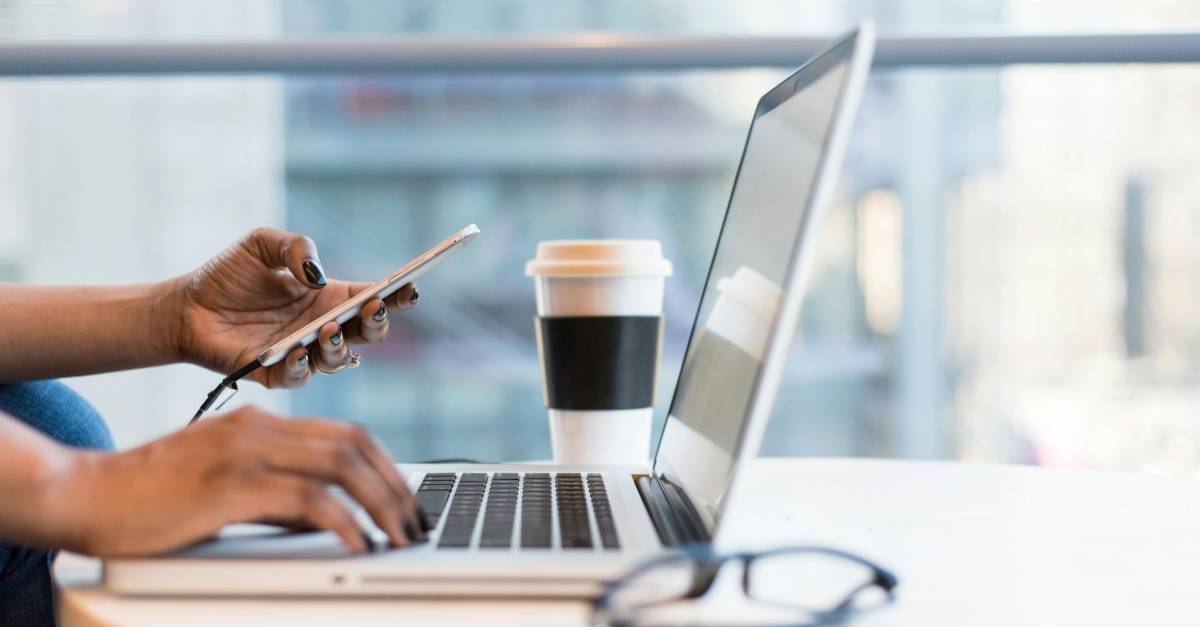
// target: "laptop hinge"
[[672, 513]]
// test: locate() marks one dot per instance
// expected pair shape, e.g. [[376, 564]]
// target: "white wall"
[[109, 181]]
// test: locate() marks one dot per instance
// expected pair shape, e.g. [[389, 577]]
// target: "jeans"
[[26, 586]]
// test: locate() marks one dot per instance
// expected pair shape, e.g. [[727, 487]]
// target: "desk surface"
[[972, 544]]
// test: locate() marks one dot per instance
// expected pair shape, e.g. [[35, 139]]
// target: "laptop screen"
[[746, 282]]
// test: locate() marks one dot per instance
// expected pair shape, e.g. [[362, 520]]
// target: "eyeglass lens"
[[666, 581], [812, 581]]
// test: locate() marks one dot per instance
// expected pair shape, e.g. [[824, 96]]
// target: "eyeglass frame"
[[709, 564]]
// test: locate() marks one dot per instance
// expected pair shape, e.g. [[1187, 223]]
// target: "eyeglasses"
[[824, 586]]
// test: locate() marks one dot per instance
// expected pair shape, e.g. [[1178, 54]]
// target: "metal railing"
[[579, 52]]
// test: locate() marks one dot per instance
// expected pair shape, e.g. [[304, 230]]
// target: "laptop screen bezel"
[[854, 50]]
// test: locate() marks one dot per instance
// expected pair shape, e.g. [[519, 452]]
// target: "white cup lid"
[[753, 290], [599, 257]]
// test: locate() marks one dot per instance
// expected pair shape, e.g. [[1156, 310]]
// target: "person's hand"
[[244, 466], [261, 289]]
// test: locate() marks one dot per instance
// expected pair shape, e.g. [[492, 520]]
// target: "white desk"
[[972, 545]]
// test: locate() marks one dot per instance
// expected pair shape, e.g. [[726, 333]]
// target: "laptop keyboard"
[[498, 504]]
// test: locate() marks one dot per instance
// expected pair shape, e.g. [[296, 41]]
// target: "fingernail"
[[313, 272], [416, 296], [408, 529], [380, 314], [423, 519], [302, 363], [336, 338]]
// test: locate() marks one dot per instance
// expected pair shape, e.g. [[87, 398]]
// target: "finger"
[[373, 322], [294, 371], [297, 253], [400, 300], [299, 501], [340, 462], [333, 346], [406, 297], [379, 459], [383, 463]]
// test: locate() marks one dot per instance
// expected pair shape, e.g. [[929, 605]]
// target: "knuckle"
[[310, 498], [358, 434], [392, 509], [259, 234], [291, 243], [251, 414], [239, 416], [345, 458]]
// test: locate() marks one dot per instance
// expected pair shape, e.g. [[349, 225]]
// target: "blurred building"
[[379, 165]]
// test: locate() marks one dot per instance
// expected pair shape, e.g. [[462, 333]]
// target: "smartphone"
[[384, 288]]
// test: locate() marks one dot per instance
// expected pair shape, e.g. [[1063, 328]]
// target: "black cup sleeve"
[[599, 362]]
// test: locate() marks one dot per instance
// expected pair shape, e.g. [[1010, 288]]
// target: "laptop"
[[544, 530]]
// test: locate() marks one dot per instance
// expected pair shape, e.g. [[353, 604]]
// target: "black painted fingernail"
[[408, 529], [302, 362], [380, 313], [416, 296], [336, 338], [314, 273]]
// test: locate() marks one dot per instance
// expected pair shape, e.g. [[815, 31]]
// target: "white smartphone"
[[384, 288]]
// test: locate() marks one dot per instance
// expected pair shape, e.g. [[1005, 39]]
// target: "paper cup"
[[599, 330]]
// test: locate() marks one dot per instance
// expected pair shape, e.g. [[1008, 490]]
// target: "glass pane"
[[1007, 274], [380, 169], [231, 19]]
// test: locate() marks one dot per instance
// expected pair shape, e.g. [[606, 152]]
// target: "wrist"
[[65, 483], [166, 319]]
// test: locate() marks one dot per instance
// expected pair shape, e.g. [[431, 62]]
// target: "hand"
[[260, 290], [245, 466]]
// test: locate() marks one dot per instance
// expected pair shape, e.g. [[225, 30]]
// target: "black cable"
[[227, 382]]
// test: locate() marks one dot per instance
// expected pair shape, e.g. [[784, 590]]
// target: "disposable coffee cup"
[[599, 336]]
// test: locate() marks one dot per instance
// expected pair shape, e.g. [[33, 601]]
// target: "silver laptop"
[[541, 530]]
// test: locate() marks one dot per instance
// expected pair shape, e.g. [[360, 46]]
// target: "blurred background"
[[1009, 273]]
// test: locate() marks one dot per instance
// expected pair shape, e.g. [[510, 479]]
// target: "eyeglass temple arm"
[[227, 382]]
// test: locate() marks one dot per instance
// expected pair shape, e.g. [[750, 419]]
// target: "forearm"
[[33, 473], [48, 332]]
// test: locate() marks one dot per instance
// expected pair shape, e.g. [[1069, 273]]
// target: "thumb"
[[297, 253]]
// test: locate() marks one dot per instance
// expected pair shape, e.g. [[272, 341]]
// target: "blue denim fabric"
[[26, 588]]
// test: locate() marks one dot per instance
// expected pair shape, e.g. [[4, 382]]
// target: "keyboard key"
[[508, 502], [432, 502], [499, 517], [602, 510], [462, 515], [573, 528]]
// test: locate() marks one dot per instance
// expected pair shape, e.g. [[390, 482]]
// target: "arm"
[[266, 285], [66, 331], [244, 466]]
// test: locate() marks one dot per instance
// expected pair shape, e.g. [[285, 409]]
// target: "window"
[[1007, 274]]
